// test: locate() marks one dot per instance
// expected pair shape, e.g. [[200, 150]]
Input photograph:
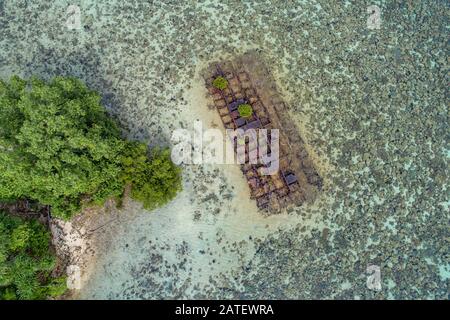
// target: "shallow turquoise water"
[[371, 103]]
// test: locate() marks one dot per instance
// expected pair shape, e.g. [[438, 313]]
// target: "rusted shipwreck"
[[250, 82]]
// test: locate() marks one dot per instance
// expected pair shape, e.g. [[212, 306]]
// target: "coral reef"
[[371, 105]]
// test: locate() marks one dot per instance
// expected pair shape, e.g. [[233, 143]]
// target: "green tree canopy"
[[154, 179], [26, 261], [245, 110], [59, 147], [220, 83]]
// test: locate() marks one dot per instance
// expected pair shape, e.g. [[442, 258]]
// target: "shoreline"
[[195, 219]]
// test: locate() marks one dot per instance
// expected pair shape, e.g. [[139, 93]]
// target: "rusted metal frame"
[[220, 71], [263, 200]]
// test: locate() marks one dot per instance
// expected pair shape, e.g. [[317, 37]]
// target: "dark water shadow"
[[83, 64]]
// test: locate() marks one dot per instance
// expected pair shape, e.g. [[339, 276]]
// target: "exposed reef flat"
[[371, 106]]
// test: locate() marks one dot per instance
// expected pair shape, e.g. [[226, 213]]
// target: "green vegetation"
[[220, 83], [26, 261], [245, 110], [59, 147], [155, 179], [241, 141]]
